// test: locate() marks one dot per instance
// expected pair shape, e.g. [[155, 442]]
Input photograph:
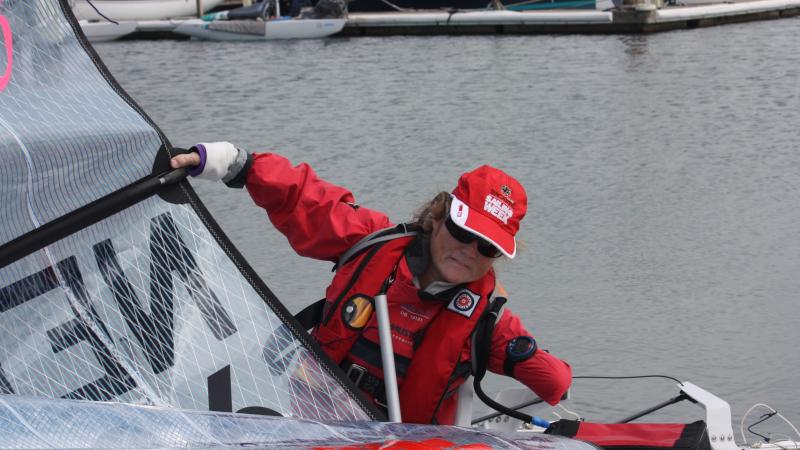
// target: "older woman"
[[436, 273]]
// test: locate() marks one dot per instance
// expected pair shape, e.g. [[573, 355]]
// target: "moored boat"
[[138, 9], [106, 31], [263, 21], [256, 30]]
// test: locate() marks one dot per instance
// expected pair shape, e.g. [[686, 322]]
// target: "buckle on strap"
[[358, 372]]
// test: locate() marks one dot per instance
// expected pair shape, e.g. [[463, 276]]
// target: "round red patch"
[[464, 302]]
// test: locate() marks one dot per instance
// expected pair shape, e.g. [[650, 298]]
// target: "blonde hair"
[[436, 209]]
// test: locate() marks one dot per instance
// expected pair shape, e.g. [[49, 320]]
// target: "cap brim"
[[483, 226]]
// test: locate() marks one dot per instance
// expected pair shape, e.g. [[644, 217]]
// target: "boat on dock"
[[257, 30], [104, 31], [263, 21], [123, 10]]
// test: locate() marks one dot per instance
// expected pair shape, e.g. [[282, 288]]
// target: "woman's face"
[[453, 261]]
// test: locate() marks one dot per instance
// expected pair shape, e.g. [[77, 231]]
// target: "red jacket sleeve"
[[546, 375], [319, 219]]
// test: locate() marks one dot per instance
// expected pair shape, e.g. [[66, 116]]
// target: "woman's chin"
[[456, 275]]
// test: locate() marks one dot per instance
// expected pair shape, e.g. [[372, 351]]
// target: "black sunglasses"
[[465, 237]]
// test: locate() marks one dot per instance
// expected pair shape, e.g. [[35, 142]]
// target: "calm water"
[[663, 233]]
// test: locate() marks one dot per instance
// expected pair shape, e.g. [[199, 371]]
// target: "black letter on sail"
[[116, 380], [168, 255]]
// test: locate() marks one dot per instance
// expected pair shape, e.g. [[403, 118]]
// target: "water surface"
[[662, 171]]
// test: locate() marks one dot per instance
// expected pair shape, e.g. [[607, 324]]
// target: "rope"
[[631, 377], [101, 14]]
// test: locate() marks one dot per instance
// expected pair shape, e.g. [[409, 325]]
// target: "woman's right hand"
[[185, 160], [211, 161]]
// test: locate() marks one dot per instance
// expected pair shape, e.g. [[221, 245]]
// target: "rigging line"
[[630, 377], [763, 418], [87, 215], [392, 5], [101, 14], [772, 410]]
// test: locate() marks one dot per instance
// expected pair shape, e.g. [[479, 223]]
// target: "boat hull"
[[140, 9], [106, 31], [252, 30]]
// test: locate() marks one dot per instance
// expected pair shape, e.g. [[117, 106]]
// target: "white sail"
[[143, 302]]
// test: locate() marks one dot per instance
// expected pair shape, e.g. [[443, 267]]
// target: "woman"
[[437, 274]]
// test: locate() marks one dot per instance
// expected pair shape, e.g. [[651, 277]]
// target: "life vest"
[[430, 370]]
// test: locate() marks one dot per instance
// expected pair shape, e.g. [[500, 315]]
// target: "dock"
[[632, 17], [624, 17]]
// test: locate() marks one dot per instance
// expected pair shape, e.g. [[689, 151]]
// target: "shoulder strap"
[[386, 234], [311, 315], [482, 337]]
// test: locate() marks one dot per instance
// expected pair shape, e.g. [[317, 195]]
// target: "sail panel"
[[151, 304], [67, 137], [145, 307]]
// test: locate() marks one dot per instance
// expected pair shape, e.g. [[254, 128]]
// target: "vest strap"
[[383, 235], [482, 337], [365, 381]]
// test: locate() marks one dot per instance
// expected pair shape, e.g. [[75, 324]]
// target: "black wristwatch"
[[518, 349]]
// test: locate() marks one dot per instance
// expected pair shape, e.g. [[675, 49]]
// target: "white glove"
[[218, 161]]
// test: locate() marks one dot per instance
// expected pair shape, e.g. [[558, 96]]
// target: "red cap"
[[490, 203]]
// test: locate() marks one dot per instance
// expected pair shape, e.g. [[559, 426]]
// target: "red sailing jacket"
[[321, 221]]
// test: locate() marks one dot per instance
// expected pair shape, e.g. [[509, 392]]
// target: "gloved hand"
[[217, 160]]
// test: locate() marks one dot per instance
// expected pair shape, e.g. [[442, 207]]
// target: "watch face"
[[521, 347]]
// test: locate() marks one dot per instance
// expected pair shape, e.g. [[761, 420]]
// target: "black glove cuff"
[[240, 179]]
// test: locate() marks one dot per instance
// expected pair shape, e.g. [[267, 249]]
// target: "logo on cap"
[[497, 208], [506, 192]]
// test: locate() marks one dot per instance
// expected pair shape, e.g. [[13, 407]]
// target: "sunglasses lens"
[[458, 233], [488, 250], [465, 237]]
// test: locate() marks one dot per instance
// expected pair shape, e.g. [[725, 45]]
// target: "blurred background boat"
[[106, 31], [139, 9], [268, 21]]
